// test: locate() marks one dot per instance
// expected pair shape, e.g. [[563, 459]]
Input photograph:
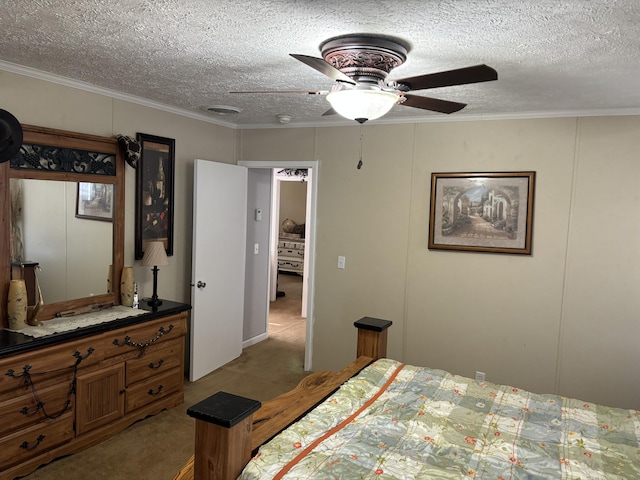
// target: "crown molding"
[[459, 117], [87, 87]]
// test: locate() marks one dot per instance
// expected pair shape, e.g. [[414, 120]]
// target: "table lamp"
[[155, 255]]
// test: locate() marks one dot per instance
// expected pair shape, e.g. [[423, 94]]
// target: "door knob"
[[201, 284]]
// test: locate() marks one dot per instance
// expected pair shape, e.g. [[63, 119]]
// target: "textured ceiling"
[[559, 57]]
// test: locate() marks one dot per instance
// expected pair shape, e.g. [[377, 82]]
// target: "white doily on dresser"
[[66, 324]]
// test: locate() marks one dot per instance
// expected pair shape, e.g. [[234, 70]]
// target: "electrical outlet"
[[480, 376], [341, 262]]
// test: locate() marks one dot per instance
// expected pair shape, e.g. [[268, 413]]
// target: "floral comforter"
[[395, 421]]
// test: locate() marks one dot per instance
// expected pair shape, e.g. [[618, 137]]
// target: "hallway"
[[285, 322]]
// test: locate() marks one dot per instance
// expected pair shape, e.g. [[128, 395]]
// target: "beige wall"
[[47, 104], [562, 320], [293, 201]]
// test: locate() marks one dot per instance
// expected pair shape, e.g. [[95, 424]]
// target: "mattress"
[[396, 421]]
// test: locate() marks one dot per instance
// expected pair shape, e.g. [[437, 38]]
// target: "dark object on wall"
[[482, 212], [132, 149], [10, 136], [154, 193]]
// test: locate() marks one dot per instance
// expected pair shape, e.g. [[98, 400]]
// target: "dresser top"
[[15, 342]]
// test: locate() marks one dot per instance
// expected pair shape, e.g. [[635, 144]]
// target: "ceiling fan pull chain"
[[360, 161]]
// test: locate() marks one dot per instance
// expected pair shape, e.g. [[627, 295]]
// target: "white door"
[[218, 265]]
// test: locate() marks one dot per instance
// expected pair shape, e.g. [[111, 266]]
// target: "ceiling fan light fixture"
[[362, 105]]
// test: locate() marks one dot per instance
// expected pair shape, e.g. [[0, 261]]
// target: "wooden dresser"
[[63, 393]]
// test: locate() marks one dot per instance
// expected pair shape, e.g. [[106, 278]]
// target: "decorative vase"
[[17, 304], [127, 287]]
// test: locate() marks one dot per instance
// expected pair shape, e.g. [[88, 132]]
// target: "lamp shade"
[[362, 105], [154, 255]]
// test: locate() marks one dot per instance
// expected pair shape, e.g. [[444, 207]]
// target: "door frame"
[[310, 241], [275, 233]]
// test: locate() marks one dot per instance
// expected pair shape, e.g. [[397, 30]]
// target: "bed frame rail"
[[230, 428]]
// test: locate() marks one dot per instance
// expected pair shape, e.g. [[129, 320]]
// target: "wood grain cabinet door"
[[100, 398]]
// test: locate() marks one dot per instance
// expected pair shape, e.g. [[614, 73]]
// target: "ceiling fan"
[[360, 64]]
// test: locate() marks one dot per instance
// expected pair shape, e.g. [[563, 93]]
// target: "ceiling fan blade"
[[310, 92], [460, 76], [433, 104], [323, 67]]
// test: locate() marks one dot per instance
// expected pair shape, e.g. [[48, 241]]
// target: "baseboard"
[[254, 340]]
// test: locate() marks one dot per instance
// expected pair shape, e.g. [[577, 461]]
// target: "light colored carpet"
[[157, 447]]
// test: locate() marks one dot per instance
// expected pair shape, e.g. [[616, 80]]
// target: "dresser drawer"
[[287, 252], [42, 367], [167, 356], [145, 335], [291, 266], [291, 245], [25, 410], [35, 440], [154, 388]]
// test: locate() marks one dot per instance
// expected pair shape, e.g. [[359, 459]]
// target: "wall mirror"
[[63, 211], [71, 251]]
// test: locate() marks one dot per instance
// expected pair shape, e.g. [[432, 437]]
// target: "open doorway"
[[307, 276], [288, 295]]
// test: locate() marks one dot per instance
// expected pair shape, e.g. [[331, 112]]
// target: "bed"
[[392, 421]]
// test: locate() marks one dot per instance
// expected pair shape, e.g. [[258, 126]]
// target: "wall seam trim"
[[565, 279], [405, 314]]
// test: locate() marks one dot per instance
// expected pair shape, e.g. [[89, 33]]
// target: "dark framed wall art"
[[95, 201], [482, 212], [154, 193]]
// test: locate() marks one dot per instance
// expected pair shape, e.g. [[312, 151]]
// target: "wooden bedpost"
[[225, 437], [224, 424], [372, 337]]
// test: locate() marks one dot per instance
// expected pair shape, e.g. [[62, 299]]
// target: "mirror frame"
[[73, 140]]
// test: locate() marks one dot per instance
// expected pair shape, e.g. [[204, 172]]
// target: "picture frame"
[[154, 193], [482, 212], [94, 201]]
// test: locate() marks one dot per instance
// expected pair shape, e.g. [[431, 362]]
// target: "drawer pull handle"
[[156, 366], [25, 410], [26, 369], [157, 392], [127, 340], [79, 356], [26, 445], [27, 381], [25, 372]]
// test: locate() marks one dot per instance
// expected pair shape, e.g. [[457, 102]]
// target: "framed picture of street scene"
[[482, 212]]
